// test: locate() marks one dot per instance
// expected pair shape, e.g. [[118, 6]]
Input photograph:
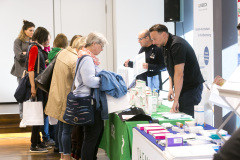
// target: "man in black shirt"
[[183, 68], [154, 62]]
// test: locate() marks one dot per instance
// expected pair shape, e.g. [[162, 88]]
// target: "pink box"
[[161, 136], [158, 132], [142, 126], [147, 129]]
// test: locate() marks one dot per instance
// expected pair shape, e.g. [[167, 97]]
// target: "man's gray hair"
[[95, 37]]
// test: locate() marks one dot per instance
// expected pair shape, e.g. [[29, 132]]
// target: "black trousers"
[[189, 98], [35, 137], [92, 137], [77, 140]]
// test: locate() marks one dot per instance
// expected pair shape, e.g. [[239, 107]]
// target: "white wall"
[[82, 17], [132, 16], [12, 14], [66, 16]]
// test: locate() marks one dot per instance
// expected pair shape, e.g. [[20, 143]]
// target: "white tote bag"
[[52, 121], [32, 114]]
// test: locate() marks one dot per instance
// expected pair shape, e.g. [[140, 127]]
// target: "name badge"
[[152, 56]]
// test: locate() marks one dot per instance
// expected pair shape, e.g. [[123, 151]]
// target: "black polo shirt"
[[155, 60], [177, 51]]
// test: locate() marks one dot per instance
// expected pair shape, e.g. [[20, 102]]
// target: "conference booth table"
[[118, 135]]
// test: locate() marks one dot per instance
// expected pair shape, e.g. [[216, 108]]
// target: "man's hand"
[[145, 65], [24, 53], [170, 95], [126, 63], [175, 107]]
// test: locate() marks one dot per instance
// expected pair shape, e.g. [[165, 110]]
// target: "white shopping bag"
[[118, 104], [52, 121], [32, 114]]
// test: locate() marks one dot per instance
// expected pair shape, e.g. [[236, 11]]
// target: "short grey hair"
[[95, 37]]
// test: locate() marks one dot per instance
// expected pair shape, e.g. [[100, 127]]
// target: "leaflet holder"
[[230, 94]]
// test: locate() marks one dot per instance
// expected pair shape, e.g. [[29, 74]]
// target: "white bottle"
[[199, 115]]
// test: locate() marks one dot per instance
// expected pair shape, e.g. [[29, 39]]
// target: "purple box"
[[174, 141]]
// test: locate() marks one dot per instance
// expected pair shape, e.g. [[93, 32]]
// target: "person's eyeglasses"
[[102, 45], [141, 38]]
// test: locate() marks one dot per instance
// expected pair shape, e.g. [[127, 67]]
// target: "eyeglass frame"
[[102, 45], [142, 38]]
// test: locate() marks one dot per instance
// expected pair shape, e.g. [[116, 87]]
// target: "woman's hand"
[[47, 62], [33, 92]]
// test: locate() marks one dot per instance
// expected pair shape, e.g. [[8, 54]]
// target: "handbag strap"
[[27, 58], [80, 59], [58, 53]]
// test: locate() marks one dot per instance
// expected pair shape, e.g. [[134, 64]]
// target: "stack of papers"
[[171, 115]]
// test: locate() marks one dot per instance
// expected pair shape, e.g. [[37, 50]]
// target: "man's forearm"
[[170, 83], [178, 80], [178, 83]]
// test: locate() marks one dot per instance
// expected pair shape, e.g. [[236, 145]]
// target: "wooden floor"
[[16, 147]]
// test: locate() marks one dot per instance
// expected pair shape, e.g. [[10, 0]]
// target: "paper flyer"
[[138, 64]]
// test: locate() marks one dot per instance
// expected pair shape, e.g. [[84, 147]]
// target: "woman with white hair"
[[86, 80]]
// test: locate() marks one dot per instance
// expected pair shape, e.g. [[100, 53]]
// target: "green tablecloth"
[[117, 136]]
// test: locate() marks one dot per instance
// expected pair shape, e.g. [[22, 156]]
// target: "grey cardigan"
[[19, 59]]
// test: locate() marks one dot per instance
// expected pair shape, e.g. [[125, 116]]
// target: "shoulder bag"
[[79, 110], [43, 80]]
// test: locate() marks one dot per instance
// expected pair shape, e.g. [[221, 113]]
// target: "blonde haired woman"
[[62, 79], [79, 43]]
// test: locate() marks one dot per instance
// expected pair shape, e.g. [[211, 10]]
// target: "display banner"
[[203, 37]]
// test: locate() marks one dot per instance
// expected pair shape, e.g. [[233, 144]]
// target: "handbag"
[[24, 84], [79, 110], [43, 80], [32, 113], [20, 93]]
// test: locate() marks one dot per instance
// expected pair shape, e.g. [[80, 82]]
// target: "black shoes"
[[38, 149], [49, 142], [43, 145]]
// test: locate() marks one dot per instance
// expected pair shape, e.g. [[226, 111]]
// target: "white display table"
[[144, 147]]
